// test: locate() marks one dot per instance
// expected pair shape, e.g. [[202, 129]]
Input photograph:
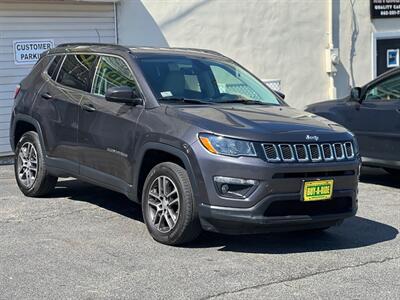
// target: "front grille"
[[325, 152], [314, 208]]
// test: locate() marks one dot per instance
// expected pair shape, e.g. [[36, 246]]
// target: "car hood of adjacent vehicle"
[[260, 122], [327, 103]]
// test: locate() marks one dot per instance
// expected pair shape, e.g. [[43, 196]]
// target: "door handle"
[[88, 107], [47, 96]]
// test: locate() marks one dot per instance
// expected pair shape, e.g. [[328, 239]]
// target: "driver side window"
[[386, 90]]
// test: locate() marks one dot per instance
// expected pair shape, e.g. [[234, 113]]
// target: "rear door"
[[107, 129], [60, 97], [376, 121]]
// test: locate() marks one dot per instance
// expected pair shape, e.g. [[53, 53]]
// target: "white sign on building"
[[27, 52]]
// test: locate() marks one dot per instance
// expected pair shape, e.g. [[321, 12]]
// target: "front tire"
[[30, 169], [168, 205]]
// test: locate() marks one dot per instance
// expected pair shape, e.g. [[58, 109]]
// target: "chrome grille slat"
[[301, 152], [327, 152], [286, 152], [315, 152], [349, 150], [338, 149], [308, 152], [271, 152]]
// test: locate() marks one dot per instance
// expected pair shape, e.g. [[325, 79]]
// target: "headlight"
[[226, 146]]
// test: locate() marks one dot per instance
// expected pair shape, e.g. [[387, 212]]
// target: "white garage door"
[[64, 22]]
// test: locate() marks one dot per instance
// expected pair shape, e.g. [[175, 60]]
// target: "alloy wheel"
[[27, 163], [163, 204]]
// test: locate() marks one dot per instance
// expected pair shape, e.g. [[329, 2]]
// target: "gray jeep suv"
[[191, 135]]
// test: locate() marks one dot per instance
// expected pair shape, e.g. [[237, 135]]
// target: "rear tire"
[[30, 169], [168, 205], [394, 172]]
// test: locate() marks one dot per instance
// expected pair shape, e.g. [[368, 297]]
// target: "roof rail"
[[198, 50], [66, 45]]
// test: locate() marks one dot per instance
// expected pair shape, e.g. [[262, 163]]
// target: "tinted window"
[[111, 72], [75, 71], [53, 68], [385, 90]]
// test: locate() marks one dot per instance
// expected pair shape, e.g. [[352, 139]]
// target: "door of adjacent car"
[[376, 120], [107, 129], [68, 80]]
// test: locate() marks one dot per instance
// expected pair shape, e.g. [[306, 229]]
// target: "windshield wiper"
[[246, 101], [182, 99]]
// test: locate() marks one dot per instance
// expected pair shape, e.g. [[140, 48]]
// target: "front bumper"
[[275, 204], [264, 217]]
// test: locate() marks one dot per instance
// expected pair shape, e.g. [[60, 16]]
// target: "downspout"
[[331, 54], [115, 23]]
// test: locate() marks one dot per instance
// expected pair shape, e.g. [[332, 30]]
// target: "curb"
[[7, 160]]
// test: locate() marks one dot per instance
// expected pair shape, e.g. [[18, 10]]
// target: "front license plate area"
[[317, 190]]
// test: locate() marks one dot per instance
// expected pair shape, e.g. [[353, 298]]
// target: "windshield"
[[177, 78]]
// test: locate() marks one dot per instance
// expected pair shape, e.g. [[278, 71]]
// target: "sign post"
[[27, 52]]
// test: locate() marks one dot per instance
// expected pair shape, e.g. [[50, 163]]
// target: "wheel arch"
[[166, 153], [21, 124]]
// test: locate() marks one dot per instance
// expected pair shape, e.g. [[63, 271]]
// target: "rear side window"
[[53, 68], [75, 71], [111, 72]]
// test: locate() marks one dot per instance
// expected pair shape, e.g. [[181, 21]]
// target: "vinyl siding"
[[62, 22]]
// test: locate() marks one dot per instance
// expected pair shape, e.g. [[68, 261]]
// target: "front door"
[[376, 120], [107, 129]]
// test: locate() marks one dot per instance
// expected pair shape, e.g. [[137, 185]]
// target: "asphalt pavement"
[[87, 242]]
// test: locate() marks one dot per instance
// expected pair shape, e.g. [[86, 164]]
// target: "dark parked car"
[[191, 135], [372, 113]]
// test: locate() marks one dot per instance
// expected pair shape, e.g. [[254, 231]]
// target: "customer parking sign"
[[27, 52]]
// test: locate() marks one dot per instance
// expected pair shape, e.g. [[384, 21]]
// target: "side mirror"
[[282, 95], [124, 94], [355, 94]]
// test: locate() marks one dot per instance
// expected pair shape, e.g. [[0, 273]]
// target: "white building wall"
[[275, 39], [283, 39]]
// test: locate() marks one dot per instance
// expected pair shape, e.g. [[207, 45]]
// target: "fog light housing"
[[234, 187]]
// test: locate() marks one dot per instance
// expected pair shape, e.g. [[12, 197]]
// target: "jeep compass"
[[192, 136]]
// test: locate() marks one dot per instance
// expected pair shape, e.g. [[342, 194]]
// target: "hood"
[[315, 106], [260, 123]]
